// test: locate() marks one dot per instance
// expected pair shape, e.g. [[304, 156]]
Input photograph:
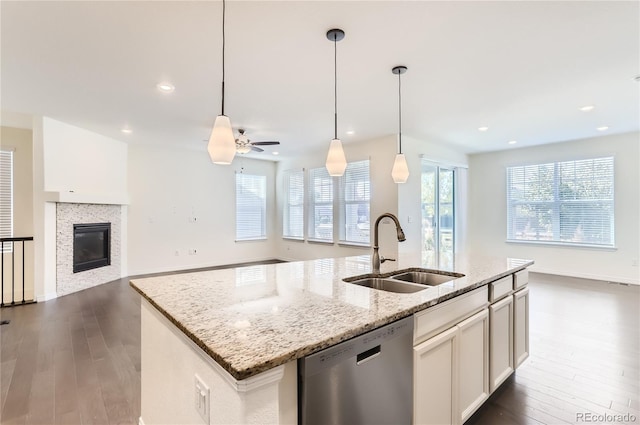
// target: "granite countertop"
[[251, 319]]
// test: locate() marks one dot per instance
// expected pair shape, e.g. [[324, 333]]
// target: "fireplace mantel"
[[87, 198]]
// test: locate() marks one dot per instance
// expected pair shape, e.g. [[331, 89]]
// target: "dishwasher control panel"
[[352, 347]]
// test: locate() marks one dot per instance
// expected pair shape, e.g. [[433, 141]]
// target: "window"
[[320, 205], [355, 194], [567, 202], [438, 191], [6, 197], [293, 211], [251, 207]]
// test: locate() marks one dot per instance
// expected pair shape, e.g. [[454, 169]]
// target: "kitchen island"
[[221, 346]]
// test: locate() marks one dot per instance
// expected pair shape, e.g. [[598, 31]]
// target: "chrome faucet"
[[375, 260]]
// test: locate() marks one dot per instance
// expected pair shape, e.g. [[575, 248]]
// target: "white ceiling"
[[521, 68]]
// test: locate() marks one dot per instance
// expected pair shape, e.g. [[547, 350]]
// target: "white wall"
[[384, 198], [167, 187], [487, 210], [82, 161]]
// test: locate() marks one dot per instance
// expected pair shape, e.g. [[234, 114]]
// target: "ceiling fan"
[[244, 145]]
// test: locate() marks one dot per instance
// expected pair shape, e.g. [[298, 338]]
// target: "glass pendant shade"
[[336, 161], [400, 171], [222, 145]]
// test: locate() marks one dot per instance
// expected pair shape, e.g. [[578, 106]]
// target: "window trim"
[[556, 202], [263, 236], [342, 205], [7, 247], [286, 183]]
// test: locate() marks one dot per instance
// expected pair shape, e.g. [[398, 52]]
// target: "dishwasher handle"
[[370, 354]]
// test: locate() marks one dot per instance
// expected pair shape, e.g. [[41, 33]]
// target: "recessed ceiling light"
[[603, 128], [351, 132], [127, 130], [275, 153], [587, 108], [485, 128], [166, 87], [512, 142]]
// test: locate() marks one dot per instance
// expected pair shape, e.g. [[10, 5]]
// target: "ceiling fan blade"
[[253, 148], [265, 143]]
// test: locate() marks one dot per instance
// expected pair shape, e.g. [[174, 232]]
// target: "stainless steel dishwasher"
[[365, 380]]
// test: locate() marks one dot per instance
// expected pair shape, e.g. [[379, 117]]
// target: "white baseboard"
[[46, 297], [140, 421]]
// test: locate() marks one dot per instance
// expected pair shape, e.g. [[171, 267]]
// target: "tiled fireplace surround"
[[68, 214]]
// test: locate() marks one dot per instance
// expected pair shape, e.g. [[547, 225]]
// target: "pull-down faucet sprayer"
[[375, 260]]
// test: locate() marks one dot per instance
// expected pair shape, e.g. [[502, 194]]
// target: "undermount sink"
[[426, 278], [388, 285], [404, 281]]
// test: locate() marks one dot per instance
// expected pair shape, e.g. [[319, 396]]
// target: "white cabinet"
[[501, 341], [452, 372], [473, 364], [520, 326], [435, 372]]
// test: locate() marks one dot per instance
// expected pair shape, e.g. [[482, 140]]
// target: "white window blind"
[[354, 203], [6, 197], [251, 207], [293, 211], [567, 202], [320, 205]]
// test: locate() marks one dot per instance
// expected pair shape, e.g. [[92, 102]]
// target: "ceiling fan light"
[[400, 170], [243, 149], [222, 144], [336, 161]]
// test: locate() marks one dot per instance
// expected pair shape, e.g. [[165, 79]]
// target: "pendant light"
[[222, 144], [336, 161], [400, 171]]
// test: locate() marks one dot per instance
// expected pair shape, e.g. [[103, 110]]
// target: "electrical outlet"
[[409, 219], [202, 399]]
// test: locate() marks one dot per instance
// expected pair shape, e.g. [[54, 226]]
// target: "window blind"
[[354, 203], [568, 202], [320, 205], [293, 211], [6, 197], [251, 207]]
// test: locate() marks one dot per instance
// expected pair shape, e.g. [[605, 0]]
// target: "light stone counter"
[[251, 319]]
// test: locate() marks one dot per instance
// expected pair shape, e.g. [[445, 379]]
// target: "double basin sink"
[[404, 281]]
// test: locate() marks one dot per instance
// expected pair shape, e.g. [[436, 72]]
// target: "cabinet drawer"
[[500, 288], [442, 316], [520, 279]]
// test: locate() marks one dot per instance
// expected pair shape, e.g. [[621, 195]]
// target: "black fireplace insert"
[[91, 246]]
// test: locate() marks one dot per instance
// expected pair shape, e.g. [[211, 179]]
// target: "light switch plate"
[[202, 399]]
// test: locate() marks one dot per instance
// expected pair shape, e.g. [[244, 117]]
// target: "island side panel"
[[170, 363]]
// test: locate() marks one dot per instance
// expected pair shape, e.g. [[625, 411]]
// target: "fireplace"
[[91, 246]]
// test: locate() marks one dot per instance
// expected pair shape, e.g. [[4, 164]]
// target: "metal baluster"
[[13, 272]]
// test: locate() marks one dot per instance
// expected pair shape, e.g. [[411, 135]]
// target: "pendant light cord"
[[399, 113], [335, 86], [224, 6]]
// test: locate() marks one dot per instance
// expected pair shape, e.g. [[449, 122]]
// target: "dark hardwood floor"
[[584, 361], [76, 359]]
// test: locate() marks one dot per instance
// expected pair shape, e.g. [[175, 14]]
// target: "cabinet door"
[[473, 362], [520, 326], [501, 342], [434, 363]]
